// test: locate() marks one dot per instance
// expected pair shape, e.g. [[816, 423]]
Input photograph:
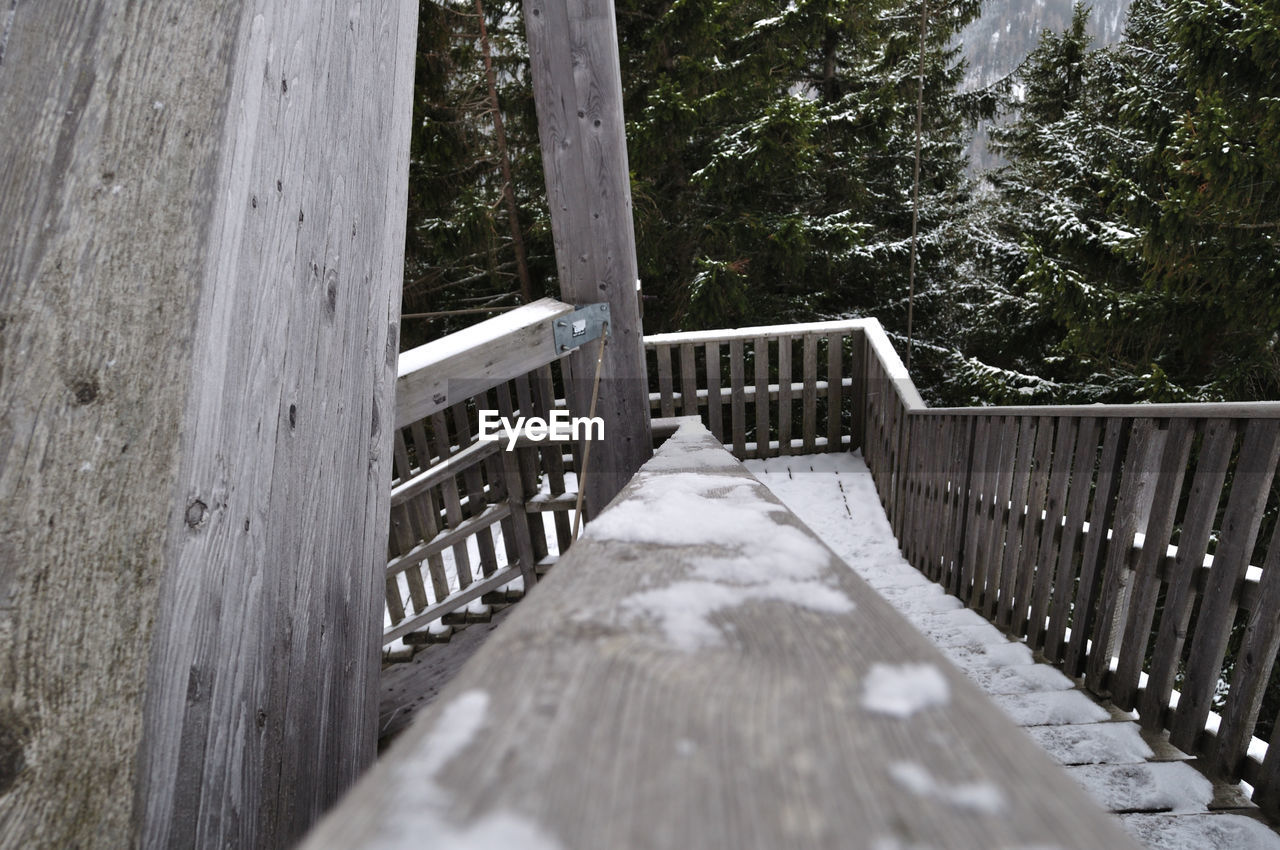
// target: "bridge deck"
[[1155, 789]]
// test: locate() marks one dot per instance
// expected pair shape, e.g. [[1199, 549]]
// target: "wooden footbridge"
[[697, 668], [201, 410]]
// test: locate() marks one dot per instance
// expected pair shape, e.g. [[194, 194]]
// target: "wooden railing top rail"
[[701, 670], [729, 334], [445, 371]]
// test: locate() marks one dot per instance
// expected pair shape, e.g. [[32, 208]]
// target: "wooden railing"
[[469, 518], [1134, 546], [744, 384]]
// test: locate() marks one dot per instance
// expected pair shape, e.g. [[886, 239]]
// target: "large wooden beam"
[[577, 87], [203, 210]]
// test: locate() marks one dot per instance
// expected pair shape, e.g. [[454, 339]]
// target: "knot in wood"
[[196, 513]]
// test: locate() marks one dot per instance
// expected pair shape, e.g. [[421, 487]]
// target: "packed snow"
[[901, 690]]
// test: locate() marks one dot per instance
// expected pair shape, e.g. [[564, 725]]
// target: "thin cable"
[[586, 449]]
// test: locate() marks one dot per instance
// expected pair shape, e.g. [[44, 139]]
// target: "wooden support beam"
[[577, 87], [200, 266]]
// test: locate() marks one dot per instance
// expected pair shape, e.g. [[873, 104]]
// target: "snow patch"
[[900, 690], [983, 797]]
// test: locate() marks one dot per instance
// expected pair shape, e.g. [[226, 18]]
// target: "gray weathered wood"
[[715, 407], [1029, 547], [200, 266], [449, 370], [1250, 485], [1012, 531], [1193, 542], [1084, 458], [835, 379], [1051, 532], [1253, 666], [577, 91], [785, 412], [1106, 484], [737, 402], [1146, 580], [688, 380], [665, 389], [589, 720], [809, 396], [760, 357], [1133, 505]]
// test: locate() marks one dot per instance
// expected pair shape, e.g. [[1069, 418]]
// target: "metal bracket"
[[581, 326]]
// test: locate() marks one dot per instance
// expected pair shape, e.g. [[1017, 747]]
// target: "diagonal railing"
[[1170, 608]]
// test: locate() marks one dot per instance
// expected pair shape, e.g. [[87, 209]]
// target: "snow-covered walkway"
[[1160, 797]]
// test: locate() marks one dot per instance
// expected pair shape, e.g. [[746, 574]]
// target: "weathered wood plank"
[[474, 483], [835, 379], [1012, 532], [1051, 532], [1133, 506], [665, 390], [532, 460], [1146, 580], [715, 405], [809, 397], [688, 380], [760, 358], [785, 412], [755, 722], [1252, 672], [979, 492], [194, 467], [1029, 546], [1084, 458], [1193, 543], [1250, 485], [553, 462], [449, 370], [1106, 483], [577, 92], [737, 403], [451, 495]]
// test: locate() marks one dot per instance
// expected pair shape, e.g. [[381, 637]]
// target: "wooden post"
[[199, 296], [577, 86]]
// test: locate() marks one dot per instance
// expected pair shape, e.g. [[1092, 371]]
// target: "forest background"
[[1118, 242]]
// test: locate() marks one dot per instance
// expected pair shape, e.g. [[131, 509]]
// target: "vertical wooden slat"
[[961, 511], [517, 526], [688, 380], [1253, 667], [1095, 546], [997, 516], [858, 402], [475, 492], [715, 409], [1250, 486], [809, 397], [835, 386], [426, 511], [531, 461], [1018, 515], [1050, 530], [1193, 542], [761, 351], [407, 525], [979, 492], [1145, 592], [666, 402], [737, 401], [1029, 546], [1083, 459], [933, 514], [553, 461], [452, 502], [1133, 505], [784, 394]]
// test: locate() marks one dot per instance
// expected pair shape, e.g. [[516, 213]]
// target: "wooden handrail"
[[671, 687]]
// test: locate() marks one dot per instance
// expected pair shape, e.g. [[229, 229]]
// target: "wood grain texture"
[[199, 286], [582, 725], [577, 91]]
